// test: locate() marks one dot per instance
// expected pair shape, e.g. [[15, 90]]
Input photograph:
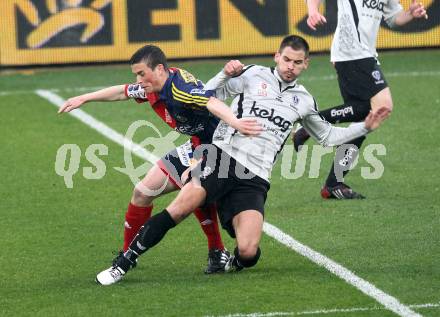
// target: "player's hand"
[[315, 19], [233, 68], [417, 10], [374, 119], [72, 103], [248, 126]]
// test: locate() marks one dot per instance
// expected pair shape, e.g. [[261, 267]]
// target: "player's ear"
[[277, 57], [159, 68], [306, 62]]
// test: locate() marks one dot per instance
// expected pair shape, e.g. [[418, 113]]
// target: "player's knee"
[[382, 101], [247, 250], [248, 259], [140, 197]]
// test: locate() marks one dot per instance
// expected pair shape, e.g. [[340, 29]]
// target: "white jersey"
[[358, 26], [260, 93]]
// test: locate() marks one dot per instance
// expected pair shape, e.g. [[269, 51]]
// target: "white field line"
[[367, 288], [324, 311], [100, 127], [305, 79]]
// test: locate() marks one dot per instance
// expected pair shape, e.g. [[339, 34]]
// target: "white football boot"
[[110, 276]]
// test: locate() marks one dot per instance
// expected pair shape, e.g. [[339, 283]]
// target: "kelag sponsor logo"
[[373, 4], [269, 115]]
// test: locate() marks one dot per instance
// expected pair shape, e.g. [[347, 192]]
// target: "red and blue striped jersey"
[[181, 104]]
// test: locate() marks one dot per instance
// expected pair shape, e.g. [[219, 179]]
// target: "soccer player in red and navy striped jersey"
[[181, 101]]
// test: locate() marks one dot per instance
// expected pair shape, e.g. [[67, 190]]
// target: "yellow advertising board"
[[83, 31]]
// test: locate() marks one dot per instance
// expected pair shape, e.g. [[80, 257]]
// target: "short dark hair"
[[151, 55], [295, 42]]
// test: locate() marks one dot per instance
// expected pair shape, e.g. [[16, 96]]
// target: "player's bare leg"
[[248, 226], [153, 185], [382, 99], [190, 197]]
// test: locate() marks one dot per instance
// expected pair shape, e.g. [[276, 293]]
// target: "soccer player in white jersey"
[[236, 169], [361, 82]]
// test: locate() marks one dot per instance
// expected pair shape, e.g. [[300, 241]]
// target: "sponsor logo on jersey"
[[373, 4], [269, 115], [342, 112], [197, 91], [189, 129], [262, 91], [187, 76]]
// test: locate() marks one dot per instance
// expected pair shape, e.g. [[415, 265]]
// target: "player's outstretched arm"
[[246, 126], [416, 11], [113, 93], [328, 135], [315, 18]]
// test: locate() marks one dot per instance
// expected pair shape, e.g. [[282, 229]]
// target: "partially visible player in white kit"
[[361, 82], [235, 172]]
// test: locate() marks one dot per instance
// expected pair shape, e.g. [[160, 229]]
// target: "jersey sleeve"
[[226, 86], [391, 9], [136, 92], [186, 89], [327, 134]]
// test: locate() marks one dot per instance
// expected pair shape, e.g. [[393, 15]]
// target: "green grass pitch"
[[54, 239]]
